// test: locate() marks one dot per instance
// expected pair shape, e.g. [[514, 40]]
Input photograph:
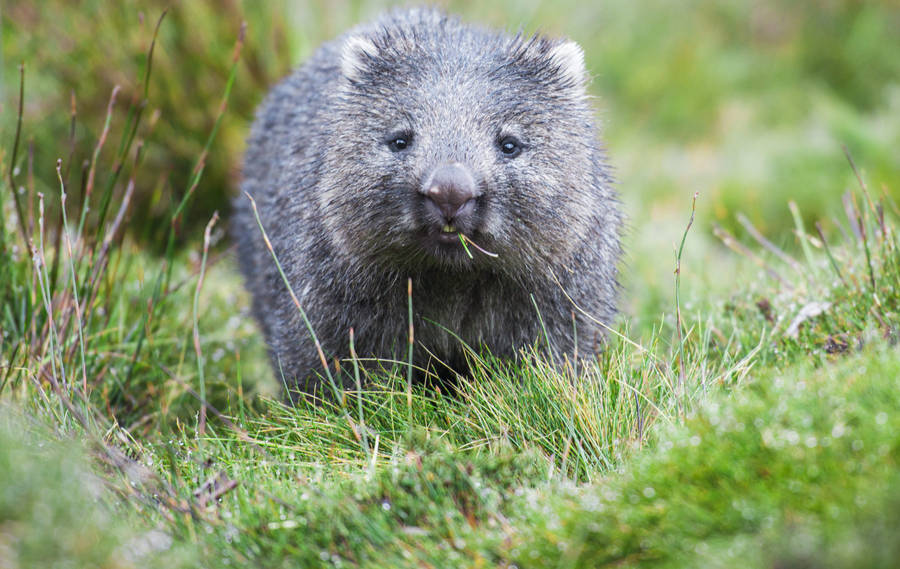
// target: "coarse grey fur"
[[345, 211]]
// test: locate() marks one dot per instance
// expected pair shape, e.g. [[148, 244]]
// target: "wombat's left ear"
[[355, 53], [568, 57]]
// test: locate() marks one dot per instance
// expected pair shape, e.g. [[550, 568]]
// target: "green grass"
[[810, 450], [140, 424], [52, 512]]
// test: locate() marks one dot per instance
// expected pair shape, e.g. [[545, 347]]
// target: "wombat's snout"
[[450, 193]]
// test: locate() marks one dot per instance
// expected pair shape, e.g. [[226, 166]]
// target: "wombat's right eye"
[[509, 146], [399, 143]]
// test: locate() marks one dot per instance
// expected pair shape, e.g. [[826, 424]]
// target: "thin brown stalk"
[[200, 165], [215, 258], [862, 219], [206, 236], [409, 372], [10, 366], [761, 239], [862, 230], [40, 267], [89, 188], [295, 300], [850, 211], [102, 259], [732, 243], [132, 123], [12, 163], [57, 239], [859, 179], [858, 220], [800, 232], [79, 323], [678, 324], [91, 287], [213, 489], [361, 432], [73, 114], [886, 198], [31, 192], [831, 259]]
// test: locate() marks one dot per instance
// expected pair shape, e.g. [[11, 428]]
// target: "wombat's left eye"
[[509, 146], [399, 142]]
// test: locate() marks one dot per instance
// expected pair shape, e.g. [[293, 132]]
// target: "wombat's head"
[[442, 129]]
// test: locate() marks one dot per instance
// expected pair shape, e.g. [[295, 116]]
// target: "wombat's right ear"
[[569, 59], [354, 55]]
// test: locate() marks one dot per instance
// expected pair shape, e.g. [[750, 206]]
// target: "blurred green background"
[[748, 103]]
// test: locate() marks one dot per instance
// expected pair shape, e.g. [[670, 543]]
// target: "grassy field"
[[744, 414]]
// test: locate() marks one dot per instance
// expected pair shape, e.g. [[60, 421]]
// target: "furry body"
[[341, 160]]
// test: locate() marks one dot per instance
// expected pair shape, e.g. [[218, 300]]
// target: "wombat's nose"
[[451, 188]]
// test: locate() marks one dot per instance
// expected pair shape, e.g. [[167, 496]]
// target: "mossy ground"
[[751, 423]]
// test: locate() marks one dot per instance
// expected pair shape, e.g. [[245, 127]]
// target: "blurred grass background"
[[748, 103]]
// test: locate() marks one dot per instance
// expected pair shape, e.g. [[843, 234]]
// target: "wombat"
[[420, 147]]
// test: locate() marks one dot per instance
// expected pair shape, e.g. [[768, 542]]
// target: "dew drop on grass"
[[592, 503], [792, 437], [838, 430]]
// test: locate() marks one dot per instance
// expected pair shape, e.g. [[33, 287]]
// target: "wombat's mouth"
[[449, 234], [454, 244], [442, 240]]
